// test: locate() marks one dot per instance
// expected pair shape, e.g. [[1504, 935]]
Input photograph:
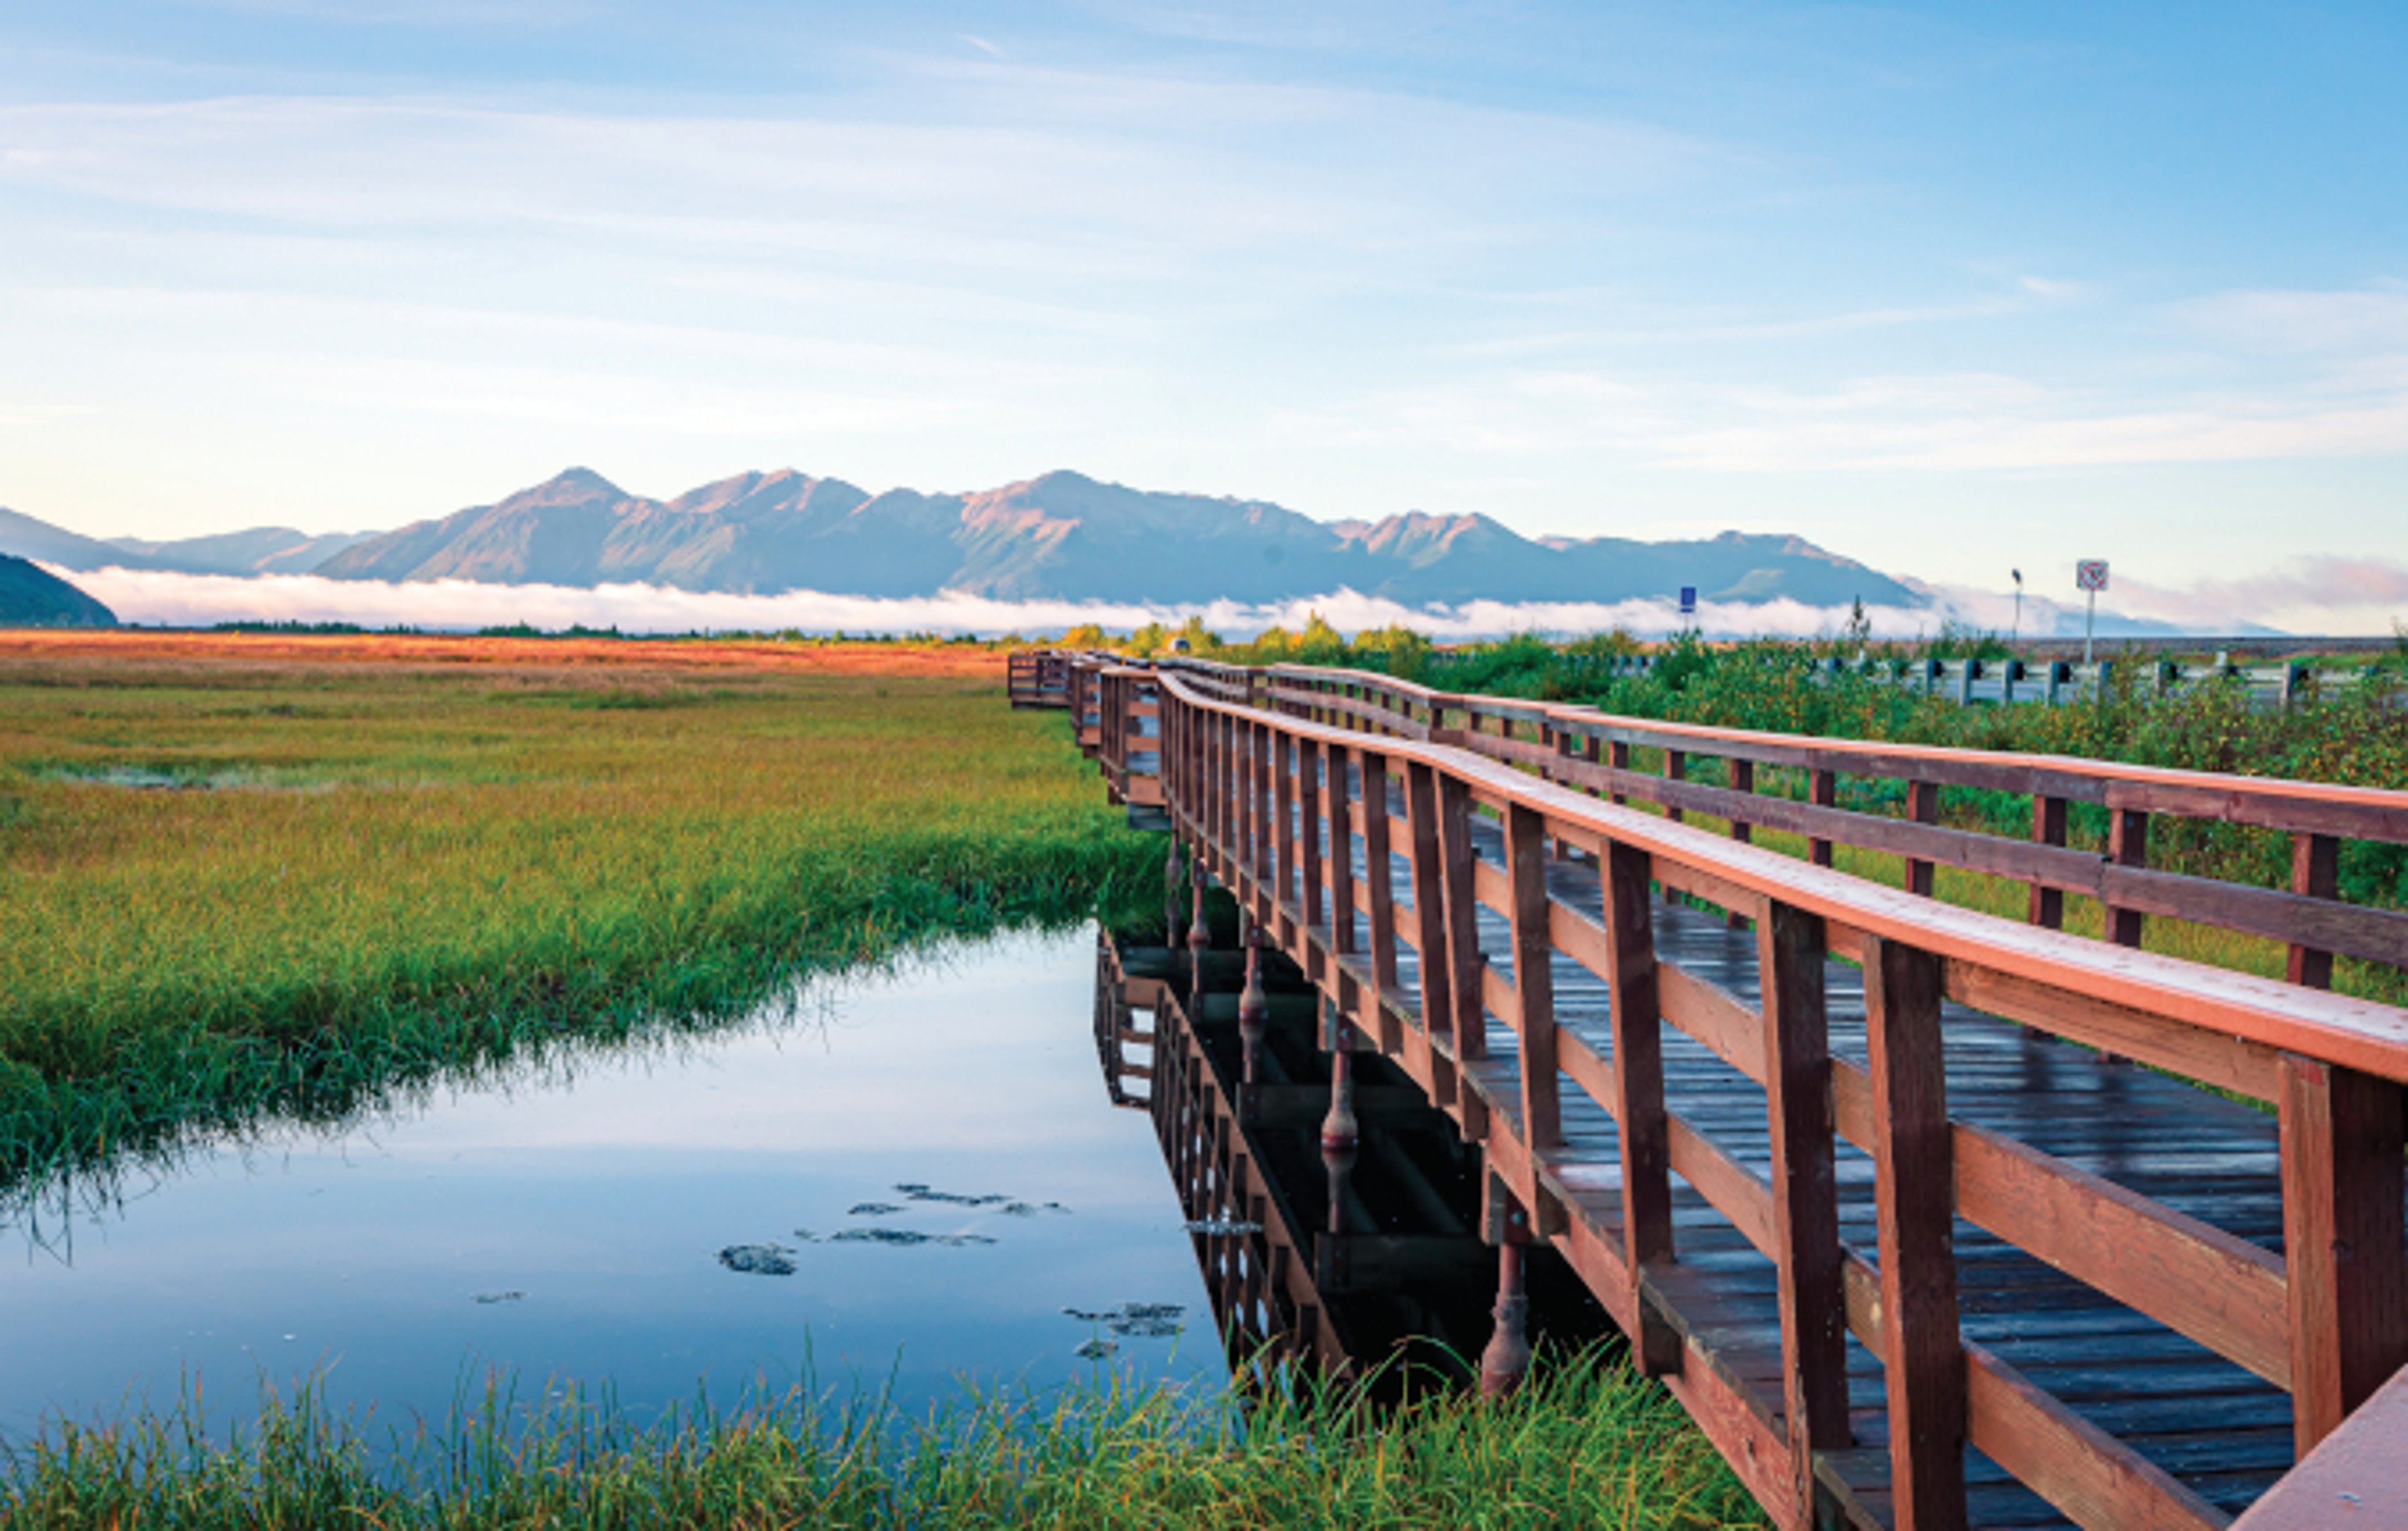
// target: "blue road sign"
[[1688, 600]]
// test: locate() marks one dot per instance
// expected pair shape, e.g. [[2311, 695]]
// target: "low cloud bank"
[[201, 600], [2325, 596]]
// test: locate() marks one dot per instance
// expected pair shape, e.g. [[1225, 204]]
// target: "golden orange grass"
[[396, 845]]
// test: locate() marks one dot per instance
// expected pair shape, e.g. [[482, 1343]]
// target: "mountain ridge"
[[31, 596], [1060, 536]]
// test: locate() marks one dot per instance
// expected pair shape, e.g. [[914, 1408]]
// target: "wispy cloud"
[[1589, 272], [1932, 421]]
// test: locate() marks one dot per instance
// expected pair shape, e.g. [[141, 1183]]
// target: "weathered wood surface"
[[1580, 747], [2356, 1480], [2142, 1272]]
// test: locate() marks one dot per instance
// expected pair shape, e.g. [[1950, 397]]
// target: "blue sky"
[[1949, 288]]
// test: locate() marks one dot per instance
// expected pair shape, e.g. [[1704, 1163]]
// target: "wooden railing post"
[[1258, 828], [2128, 845], [1461, 954], [2345, 1252], [1283, 837], [1638, 1106], [1378, 877], [1823, 791], [1534, 991], [1241, 789], [2048, 828], [1743, 778], [1337, 812], [1618, 756], [1923, 807], [1217, 792], [1676, 768], [1924, 1369], [1790, 945], [1313, 796], [1429, 906], [2315, 873]]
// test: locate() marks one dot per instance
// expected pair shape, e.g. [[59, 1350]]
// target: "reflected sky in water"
[[589, 1205]]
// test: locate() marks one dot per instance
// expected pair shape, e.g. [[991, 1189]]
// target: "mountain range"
[[260, 549], [1062, 535]]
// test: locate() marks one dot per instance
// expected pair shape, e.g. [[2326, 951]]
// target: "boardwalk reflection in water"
[[1344, 1245]]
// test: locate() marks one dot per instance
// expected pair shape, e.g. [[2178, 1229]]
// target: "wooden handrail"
[[1589, 748], [1265, 795], [2368, 813], [2357, 1033]]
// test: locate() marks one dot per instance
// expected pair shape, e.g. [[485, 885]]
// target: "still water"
[[900, 1179]]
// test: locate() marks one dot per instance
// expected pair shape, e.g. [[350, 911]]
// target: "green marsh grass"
[[230, 888], [1587, 1443]]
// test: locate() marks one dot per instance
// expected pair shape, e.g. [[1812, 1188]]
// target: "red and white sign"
[[2090, 574]]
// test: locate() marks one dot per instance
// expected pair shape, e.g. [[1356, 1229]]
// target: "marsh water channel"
[[889, 1182]]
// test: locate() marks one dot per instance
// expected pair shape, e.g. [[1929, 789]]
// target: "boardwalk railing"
[[1038, 678], [2011, 681], [1406, 848], [1582, 747]]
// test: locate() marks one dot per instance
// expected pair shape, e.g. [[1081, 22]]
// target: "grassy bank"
[[240, 874], [1587, 1443]]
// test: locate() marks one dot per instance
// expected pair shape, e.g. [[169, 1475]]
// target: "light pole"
[[2016, 636]]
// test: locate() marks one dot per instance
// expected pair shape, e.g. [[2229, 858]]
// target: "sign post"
[[1688, 602], [2090, 575]]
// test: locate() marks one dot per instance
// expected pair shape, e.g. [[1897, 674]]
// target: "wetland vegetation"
[[245, 876], [1586, 1442], [273, 877]]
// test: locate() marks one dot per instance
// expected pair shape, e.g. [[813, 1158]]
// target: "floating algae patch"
[[1137, 1320], [900, 1237], [951, 1198], [1008, 1206], [906, 1238], [758, 1259]]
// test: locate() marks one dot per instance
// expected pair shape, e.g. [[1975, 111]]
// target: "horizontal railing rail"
[[1277, 778], [2006, 682], [1594, 751]]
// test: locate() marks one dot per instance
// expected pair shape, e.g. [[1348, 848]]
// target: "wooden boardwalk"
[[1917, 1258], [2223, 1432]]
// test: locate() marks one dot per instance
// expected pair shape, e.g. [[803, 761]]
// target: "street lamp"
[[2018, 634]]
